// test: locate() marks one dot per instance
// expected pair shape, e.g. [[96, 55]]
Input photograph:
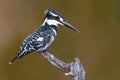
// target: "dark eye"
[[57, 18]]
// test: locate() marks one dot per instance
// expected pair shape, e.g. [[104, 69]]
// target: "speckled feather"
[[32, 42]]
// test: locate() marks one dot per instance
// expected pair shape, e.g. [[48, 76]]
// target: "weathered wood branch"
[[74, 69]]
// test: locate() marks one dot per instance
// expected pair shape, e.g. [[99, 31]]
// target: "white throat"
[[51, 22]]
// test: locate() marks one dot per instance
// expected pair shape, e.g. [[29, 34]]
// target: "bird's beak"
[[70, 26]]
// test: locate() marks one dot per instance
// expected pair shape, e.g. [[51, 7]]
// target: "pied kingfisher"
[[41, 38]]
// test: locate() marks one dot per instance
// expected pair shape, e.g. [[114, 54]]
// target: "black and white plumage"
[[41, 38]]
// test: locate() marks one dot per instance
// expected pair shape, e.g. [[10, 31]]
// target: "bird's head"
[[54, 18]]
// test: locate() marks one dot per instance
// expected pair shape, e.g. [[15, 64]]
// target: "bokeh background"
[[97, 46]]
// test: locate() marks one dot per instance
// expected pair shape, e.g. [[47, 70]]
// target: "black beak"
[[70, 26]]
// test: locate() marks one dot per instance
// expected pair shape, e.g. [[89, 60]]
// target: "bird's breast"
[[47, 39]]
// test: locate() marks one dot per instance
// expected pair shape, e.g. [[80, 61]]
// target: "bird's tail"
[[16, 57]]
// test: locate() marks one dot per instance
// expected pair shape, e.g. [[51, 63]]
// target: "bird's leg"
[[43, 51]]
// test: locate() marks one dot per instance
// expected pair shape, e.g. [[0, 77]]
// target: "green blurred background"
[[97, 45]]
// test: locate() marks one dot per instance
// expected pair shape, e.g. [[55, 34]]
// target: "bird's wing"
[[36, 41]]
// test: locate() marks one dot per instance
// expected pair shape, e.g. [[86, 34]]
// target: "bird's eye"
[[57, 18]]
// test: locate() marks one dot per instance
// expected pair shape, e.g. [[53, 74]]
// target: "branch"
[[74, 69]]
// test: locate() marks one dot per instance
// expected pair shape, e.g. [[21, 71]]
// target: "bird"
[[41, 38]]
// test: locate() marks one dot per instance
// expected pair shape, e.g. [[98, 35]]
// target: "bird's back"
[[39, 40]]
